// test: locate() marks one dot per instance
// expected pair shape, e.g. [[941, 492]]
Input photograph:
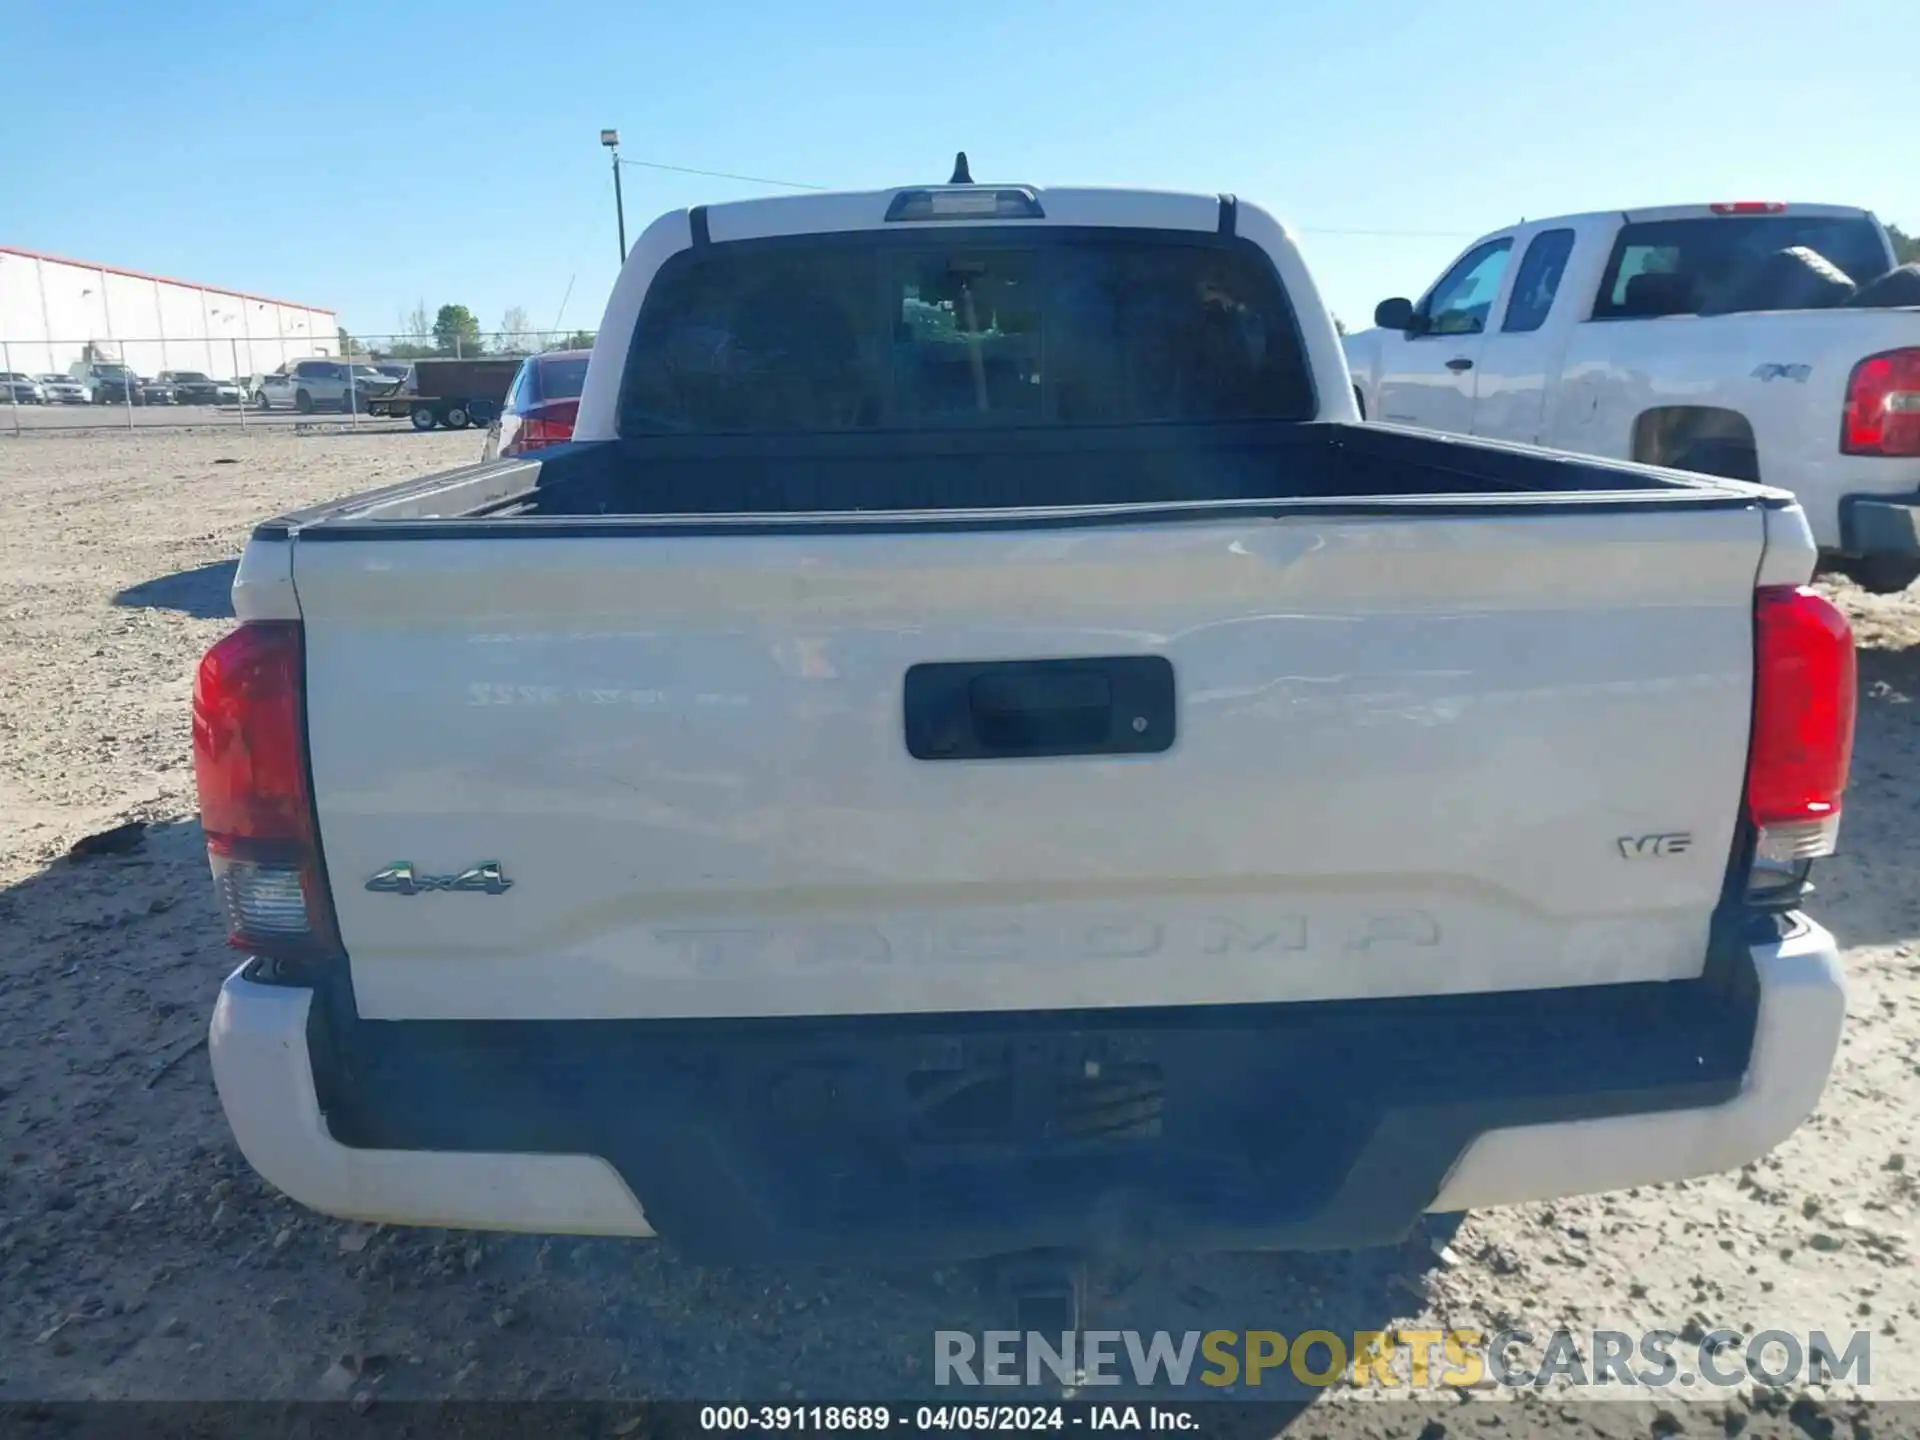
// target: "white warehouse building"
[[53, 309]]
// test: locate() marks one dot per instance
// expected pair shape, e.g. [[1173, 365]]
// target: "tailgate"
[[1409, 755]]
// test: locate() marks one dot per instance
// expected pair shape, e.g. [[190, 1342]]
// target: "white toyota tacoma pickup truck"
[[973, 750], [1753, 340]]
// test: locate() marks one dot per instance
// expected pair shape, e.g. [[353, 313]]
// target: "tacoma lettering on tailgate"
[[1128, 939]]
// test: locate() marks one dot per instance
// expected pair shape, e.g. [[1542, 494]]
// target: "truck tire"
[[303, 402], [457, 418], [1792, 279], [262, 401], [1897, 288], [1882, 574], [423, 417]]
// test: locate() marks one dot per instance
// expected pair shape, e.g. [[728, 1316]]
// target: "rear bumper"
[[263, 1069], [948, 1137], [1880, 525]]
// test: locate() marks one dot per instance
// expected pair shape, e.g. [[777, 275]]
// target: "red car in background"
[[541, 404]]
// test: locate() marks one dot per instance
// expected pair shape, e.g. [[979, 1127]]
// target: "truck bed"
[[863, 481]]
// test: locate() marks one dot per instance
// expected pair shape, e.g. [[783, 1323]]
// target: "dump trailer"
[[454, 393]]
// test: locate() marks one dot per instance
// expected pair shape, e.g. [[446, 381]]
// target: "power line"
[[803, 185], [723, 175], [1395, 234]]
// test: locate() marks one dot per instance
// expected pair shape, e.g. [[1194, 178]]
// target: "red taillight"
[[1883, 405], [1749, 207], [250, 761], [247, 751], [549, 424], [1802, 722]]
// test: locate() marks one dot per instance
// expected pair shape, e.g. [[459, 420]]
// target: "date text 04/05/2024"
[[923, 1418]]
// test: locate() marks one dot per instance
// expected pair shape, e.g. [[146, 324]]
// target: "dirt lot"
[[139, 1257], [37, 419]]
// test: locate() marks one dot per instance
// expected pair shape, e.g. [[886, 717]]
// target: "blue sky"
[[363, 156]]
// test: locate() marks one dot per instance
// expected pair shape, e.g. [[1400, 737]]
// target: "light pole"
[[611, 139]]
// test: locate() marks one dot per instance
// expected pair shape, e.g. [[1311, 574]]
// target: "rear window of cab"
[[875, 331]]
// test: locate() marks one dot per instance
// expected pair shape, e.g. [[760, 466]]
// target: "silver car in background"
[[62, 390], [311, 385]]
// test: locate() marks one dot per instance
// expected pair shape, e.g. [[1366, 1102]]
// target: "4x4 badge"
[[403, 879]]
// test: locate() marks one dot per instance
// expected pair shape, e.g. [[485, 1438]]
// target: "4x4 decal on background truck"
[[403, 879]]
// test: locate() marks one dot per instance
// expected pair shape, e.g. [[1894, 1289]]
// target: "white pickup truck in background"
[[972, 750], [1684, 336]]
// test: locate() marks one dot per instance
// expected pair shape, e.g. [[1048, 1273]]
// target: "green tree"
[[1906, 248], [456, 331]]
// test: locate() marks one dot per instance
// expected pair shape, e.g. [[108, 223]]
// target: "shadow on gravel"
[[1866, 894], [589, 1319], [129, 1211], [204, 592]]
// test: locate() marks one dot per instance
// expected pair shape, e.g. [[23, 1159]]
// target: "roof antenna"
[[961, 175]]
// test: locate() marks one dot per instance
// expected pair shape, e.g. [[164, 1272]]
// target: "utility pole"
[[611, 139]]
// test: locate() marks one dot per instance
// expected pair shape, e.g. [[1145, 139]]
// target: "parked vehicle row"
[[528, 403], [107, 382], [1749, 340]]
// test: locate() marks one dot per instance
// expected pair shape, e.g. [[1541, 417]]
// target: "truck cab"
[[1680, 336]]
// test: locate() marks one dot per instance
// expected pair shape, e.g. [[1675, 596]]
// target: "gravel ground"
[[35, 419], [140, 1257]]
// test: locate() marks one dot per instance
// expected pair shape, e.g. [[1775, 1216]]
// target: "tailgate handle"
[[997, 710]]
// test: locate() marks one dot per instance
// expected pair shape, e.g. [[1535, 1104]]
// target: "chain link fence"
[[348, 380]]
